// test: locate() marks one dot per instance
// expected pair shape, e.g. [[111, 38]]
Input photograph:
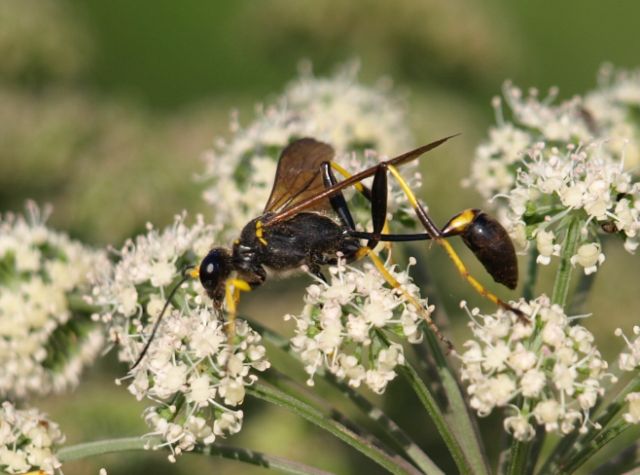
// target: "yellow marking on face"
[[260, 233], [194, 273]]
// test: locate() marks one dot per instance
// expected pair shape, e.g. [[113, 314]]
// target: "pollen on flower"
[[44, 341], [554, 366], [347, 325], [191, 358], [28, 441]]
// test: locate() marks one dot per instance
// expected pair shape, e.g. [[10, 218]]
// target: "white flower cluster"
[[27, 441], [630, 361], [196, 378], [553, 163], [534, 120], [556, 186], [45, 338], [346, 324], [615, 107], [553, 365], [359, 121], [193, 375]]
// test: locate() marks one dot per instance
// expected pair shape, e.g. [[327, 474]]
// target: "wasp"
[[307, 223]]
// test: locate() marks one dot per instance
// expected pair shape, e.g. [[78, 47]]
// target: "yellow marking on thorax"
[[462, 221], [260, 233]]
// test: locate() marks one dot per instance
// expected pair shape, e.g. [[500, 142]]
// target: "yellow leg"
[[391, 280], [453, 255], [232, 290]]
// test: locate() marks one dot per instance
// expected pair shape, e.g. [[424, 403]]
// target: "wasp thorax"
[[214, 270]]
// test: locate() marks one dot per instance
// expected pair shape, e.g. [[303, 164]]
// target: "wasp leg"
[[338, 203], [390, 237], [438, 237]]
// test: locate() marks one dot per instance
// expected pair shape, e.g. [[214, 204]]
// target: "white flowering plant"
[[557, 179]]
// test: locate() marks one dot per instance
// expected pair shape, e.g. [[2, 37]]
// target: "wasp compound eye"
[[214, 270]]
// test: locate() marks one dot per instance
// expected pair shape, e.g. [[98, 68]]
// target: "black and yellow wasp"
[[307, 222]]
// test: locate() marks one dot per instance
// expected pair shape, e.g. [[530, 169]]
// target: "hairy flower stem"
[[560, 291], [603, 438], [282, 465], [532, 275], [391, 462], [519, 455]]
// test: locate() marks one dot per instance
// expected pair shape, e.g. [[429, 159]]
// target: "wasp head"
[[214, 271]]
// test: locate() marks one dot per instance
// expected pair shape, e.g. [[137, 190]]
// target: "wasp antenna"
[[185, 276]]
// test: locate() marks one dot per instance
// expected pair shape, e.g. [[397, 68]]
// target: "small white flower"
[[633, 416], [589, 257], [630, 361], [519, 427], [546, 246], [339, 331]]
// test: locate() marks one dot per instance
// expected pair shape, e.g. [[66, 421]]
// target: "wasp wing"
[[299, 176]]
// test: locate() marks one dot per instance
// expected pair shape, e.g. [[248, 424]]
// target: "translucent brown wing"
[[299, 176]]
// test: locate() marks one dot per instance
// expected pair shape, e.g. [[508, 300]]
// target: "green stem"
[[90, 449], [518, 458], [563, 275], [400, 438], [77, 304], [532, 275], [429, 403], [390, 428], [391, 462], [456, 414], [443, 382], [295, 389], [594, 446]]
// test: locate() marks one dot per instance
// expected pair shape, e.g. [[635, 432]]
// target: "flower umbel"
[[346, 326], [27, 441], [554, 366], [45, 339], [193, 374], [359, 121]]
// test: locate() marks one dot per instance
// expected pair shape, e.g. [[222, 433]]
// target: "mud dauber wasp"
[[306, 222]]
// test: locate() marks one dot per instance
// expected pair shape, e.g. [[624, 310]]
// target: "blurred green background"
[[106, 108]]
